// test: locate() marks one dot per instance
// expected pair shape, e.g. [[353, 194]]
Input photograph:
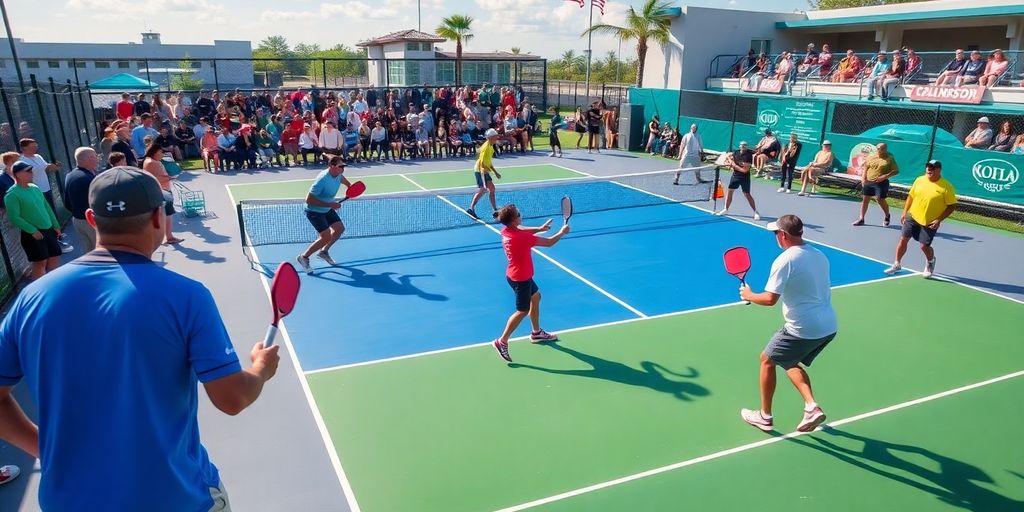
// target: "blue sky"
[[542, 27]]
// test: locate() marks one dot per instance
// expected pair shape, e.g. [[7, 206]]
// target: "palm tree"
[[456, 28], [516, 50], [649, 24]]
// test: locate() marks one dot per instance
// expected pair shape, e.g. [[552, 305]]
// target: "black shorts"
[[553, 140], [872, 189], [594, 130], [40, 250], [168, 203], [322, 221], [740, 180], [480, 181], [923, 234], [524, 291]]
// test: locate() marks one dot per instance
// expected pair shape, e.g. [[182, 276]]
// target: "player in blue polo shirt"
[[322, 212], [112, 347]]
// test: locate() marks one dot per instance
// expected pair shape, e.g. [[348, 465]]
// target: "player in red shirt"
[[518, 242]]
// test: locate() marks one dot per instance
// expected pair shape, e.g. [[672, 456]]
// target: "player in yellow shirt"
[[931, 199], [482, 171]]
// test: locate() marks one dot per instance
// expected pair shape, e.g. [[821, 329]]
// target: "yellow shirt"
[[878, 166], [483, 161], [930, 199]]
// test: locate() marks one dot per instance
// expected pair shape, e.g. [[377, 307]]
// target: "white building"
[[150, 59], [699, 34], [409, 57]]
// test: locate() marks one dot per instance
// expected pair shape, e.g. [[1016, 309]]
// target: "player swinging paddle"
[[482, 171], [322, 212], [518, 242]]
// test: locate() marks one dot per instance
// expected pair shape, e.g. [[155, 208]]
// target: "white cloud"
[[274, 16]]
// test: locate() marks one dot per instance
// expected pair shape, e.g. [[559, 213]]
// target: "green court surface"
[[456, 431], [388, 183]]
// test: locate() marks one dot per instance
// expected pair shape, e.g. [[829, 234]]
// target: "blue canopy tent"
[[123, 82]]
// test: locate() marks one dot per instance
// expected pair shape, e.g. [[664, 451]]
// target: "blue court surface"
[[408, 294]]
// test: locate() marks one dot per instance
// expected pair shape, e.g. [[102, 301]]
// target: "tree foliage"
[[186, 80], [647, 25]]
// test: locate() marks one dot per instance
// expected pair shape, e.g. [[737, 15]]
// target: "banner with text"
[[786, 116]]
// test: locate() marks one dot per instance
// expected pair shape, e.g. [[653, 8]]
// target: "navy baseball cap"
[[123, 192]]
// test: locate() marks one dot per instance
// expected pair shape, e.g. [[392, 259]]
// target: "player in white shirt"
[[690, 150], [800, 277]]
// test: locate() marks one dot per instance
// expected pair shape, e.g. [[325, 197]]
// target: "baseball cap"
[[983, 119], [934, 164], [123, 192], [21, 166], [491, 132], [767, 131], [826, 143], [789, 224]]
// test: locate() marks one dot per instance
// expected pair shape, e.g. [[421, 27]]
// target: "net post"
[[241, 233], [714, 187]]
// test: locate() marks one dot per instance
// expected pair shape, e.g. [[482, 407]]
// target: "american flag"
[[597, 3], [581, 2]]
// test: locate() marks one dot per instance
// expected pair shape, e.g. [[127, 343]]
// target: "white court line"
[[332, 451], [751, 446], [255, 183], [545, 256], [573, 329]]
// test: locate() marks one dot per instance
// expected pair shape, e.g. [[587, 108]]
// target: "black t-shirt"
[[594, 117], [741, 156], [142, 107]]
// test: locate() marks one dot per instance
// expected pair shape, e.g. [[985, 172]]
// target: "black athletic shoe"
[[472, 213], [495, 214]]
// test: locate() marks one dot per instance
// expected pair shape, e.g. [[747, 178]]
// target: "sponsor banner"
[[768, 85], [786, 116], [970, 95]]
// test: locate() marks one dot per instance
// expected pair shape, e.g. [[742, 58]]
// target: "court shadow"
[[651, 375], [196, 226], [988, 285], [953, 237], [196, 255], [954, 483], [390, 283]]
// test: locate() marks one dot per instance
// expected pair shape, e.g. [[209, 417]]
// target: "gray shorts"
[[787, 350]]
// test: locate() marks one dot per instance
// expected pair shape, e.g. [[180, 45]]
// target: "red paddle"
[[737, 263], [354, 191], [284, 290]]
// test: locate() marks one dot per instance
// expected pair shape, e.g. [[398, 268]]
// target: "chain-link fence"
[[984, 173], [569, 94], [60, 119]]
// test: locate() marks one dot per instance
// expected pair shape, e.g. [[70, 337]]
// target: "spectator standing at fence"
[[931, 199], [848, 69], [1003, 140], [140, 132], [691, 154], [994, 69], [142, 106], [953, 69], [7, 176], [76, 194], [972, 70], [788, 160], [875, 182], [29, 211], [107, 143], [821, 164], [125, 108], [41, 169], [980, 137]]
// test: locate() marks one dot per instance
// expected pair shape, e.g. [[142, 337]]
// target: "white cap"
[[983, 119], [491, 133], [826, 143]]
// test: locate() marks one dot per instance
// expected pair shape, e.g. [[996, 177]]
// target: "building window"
[[504, 73], [427, 47], [76, 64], [396, 72], [412, 73], [53, 64], [123, 64], [143, 64], [445, 72], [761, 46], [32, 64], [469, 72], [101, 64], [412, 46]]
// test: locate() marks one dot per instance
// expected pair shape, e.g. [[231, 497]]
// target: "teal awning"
[[902, 17], [123, 81]]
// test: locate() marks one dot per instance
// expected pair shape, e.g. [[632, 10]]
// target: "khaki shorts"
[[220, 499]]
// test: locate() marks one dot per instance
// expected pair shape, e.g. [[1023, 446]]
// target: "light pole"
[[14, 52], [419, 17]]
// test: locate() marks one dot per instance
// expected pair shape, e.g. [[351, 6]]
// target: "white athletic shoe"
[[929, 268], [723, 211], [757, 420], [757, 216], [812, 419], [324, 255], [893, 269], [304, 263], [781, 190], [788, 191]]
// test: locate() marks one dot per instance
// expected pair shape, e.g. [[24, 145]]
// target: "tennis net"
[[283, 221]]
